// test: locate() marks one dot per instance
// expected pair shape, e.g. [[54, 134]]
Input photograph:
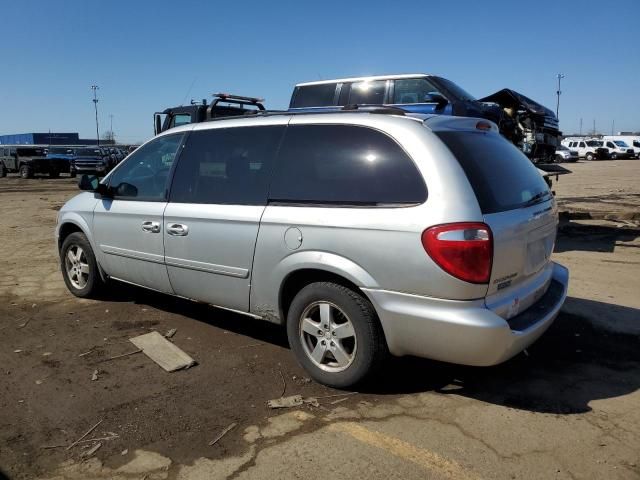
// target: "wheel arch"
[[73, 223]]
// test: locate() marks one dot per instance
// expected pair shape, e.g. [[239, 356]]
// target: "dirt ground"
[[568, 408]]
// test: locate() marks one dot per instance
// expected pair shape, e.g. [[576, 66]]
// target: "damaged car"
[[532, 127]]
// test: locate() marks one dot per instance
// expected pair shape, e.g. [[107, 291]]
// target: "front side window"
[[226, 166], [145, 173], [582, 145], [610, 145], [321, 95], [636, 143], [344, 165], [368, 92], [413, 90]]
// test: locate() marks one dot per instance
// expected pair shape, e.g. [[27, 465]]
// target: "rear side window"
[[344, 165], [226, 166], [501, 176], [314, 96], [368, 92]]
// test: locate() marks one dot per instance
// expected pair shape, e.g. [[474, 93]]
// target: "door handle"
[[177, 229], [153, 227]]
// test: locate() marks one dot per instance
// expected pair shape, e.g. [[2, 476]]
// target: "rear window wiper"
[[537, 198]]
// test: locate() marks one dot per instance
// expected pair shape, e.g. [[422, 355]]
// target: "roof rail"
[[381, 109]]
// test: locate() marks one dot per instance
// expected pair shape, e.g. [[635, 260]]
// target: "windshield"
[[455, 89], [561, 147], [499, 173], [594, 143], [620, 143], [30, 152], [89, 152]]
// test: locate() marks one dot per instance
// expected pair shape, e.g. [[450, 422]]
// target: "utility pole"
[[613, 126], [95, 104], [580, 126], [594, 127], [111, 128], [558, 92]]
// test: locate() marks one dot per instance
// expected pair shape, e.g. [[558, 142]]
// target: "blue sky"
[[145, 55]]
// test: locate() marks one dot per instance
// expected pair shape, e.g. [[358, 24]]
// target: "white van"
[[587, 149], [618, 148], [633, 141]]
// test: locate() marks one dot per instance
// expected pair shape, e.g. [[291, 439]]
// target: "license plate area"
[[539, 248]]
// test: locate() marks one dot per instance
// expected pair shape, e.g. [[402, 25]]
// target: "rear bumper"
[[464, 332]]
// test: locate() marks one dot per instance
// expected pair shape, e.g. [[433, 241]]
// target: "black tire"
[[370, 349], [589, 156], [559, 159], [614, 156], [72, 173], [26, 171], [3, 170], [94, 283]]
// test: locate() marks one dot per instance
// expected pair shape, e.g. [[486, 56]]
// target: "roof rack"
[[238, 99], [381, 109]]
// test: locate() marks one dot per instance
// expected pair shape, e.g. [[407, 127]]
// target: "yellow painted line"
[[420, 456]]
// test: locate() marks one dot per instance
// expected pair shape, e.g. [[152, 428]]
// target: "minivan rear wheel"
[[589, 156], [79, 266], [335, 334]]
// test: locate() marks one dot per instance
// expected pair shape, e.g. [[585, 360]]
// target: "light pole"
[[111, 128], [558, 92], [95, 104]]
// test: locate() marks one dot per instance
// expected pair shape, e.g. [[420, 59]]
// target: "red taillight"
[[483, 126], [464, 250]]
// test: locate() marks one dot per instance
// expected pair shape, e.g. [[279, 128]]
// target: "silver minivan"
[[364, 233]]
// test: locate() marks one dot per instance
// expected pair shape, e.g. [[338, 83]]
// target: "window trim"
[[342, 204], [172, 170]]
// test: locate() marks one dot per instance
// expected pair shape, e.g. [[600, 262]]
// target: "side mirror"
[[435, 97], [91, 183], [88, 183]]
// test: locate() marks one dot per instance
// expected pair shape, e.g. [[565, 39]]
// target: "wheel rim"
[[77, 267], [327, 336]]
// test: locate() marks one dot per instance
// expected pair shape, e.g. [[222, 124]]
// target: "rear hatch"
[[519, 209]]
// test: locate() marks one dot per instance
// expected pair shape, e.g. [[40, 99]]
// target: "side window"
[[321, 95], [226, 166], [413, 90], [179, 119], [582, 145], [145, 174], [636, 143], [610, 145], [344, 165], [371, 92]]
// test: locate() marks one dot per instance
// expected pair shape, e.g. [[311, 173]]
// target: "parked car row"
[[608, 147], [28, 160]]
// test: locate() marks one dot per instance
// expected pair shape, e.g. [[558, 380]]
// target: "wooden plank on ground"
[[162, 351]]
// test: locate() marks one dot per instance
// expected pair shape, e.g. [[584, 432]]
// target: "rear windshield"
[[314, 95], [501, 176]]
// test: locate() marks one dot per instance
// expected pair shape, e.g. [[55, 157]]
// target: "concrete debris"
[[292, 401], [163, 352], [94, 377], [286, 402], [92, 450], [170, 333]]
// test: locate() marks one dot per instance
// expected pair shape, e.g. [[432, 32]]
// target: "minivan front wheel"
[[335, 334], [79, 266]]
